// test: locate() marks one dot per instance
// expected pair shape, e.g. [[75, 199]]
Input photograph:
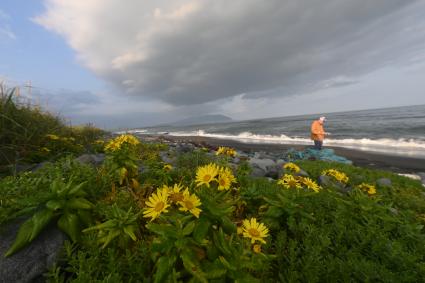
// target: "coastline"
[[372, 160]]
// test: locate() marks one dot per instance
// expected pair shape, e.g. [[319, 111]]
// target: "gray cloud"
[[193, 52], [66, 102]]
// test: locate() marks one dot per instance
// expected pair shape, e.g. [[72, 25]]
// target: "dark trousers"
[[318, 145]]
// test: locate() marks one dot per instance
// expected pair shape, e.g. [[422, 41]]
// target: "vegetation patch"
[[204, 220]]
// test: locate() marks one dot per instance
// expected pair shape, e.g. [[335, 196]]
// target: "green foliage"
[[25, 130], [120, 225], [66, 203], [326, 236]]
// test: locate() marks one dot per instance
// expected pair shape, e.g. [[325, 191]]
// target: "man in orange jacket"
[[318, 132]]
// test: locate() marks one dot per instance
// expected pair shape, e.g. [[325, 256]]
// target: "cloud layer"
[[186, 52]]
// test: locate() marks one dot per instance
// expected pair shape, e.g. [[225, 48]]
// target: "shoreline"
[[372, 160]]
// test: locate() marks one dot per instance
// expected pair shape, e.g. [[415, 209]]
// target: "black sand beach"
[[397, 164]]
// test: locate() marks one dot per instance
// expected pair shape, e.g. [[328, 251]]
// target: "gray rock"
[[29, 264], [91, 159], [384, 182], [257, 172], [23, 167], [329, 182], [325, 181], [344, 190], [280, 162], [273, 172], [262, 163], [40, 165], [302, 173], [166, 158], [185, 147]]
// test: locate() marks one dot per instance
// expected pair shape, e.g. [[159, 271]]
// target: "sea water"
[[395, 131]]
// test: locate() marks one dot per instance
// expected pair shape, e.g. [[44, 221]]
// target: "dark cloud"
[[192, 52]]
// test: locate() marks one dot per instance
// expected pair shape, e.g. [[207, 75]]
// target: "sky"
[[124, 64]]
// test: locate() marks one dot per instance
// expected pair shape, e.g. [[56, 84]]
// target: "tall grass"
[[24, 127]]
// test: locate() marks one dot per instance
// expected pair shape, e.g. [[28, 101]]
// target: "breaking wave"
[[410, 147]]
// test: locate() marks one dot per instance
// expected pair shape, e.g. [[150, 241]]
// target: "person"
[[318, 132]]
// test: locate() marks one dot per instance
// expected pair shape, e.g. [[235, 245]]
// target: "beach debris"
[[326, 154]]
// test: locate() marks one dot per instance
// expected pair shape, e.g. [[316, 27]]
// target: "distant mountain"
[[204, 119]]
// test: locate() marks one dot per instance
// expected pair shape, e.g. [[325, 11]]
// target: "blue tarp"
[[326, 154]]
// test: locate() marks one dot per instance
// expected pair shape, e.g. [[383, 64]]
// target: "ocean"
[[393, 131]]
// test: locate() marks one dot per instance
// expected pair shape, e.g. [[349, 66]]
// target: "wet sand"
[[394, 163]]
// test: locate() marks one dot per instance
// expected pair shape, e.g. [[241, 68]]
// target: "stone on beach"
[[30, 263]]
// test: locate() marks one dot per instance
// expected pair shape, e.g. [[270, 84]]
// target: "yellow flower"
[[190, 203], [206, 174], [174, 193], [239, 230], [52, 137], [291, 167], [370, 189], [225, 179], [289, 182], [226, 151], [255, 231], [168, 167], [157, 204], [116, 143], [339, 176], [256, 248], [310, 184]]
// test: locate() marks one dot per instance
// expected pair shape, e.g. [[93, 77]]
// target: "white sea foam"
[[135, 131], [408, 147]]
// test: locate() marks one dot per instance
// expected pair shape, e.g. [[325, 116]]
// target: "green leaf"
[[112, 235], [163, 230], [105, 225], [22, 237], [188, 228], [228, 226], [40, 219], [129, 230], [189, 264], [163, 268], [85, 217], [70, 224], [78, 189], [54, 204], [79, 203], [201, 229]]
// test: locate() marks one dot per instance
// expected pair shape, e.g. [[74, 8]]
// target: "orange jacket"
[[317, 131]]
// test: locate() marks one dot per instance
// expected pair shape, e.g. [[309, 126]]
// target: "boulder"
[[91, 159], [325, 181], [29, 264], [257, 172], [262, 163], [384, 182], [166, 157], [329, 182], [273, 172]]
